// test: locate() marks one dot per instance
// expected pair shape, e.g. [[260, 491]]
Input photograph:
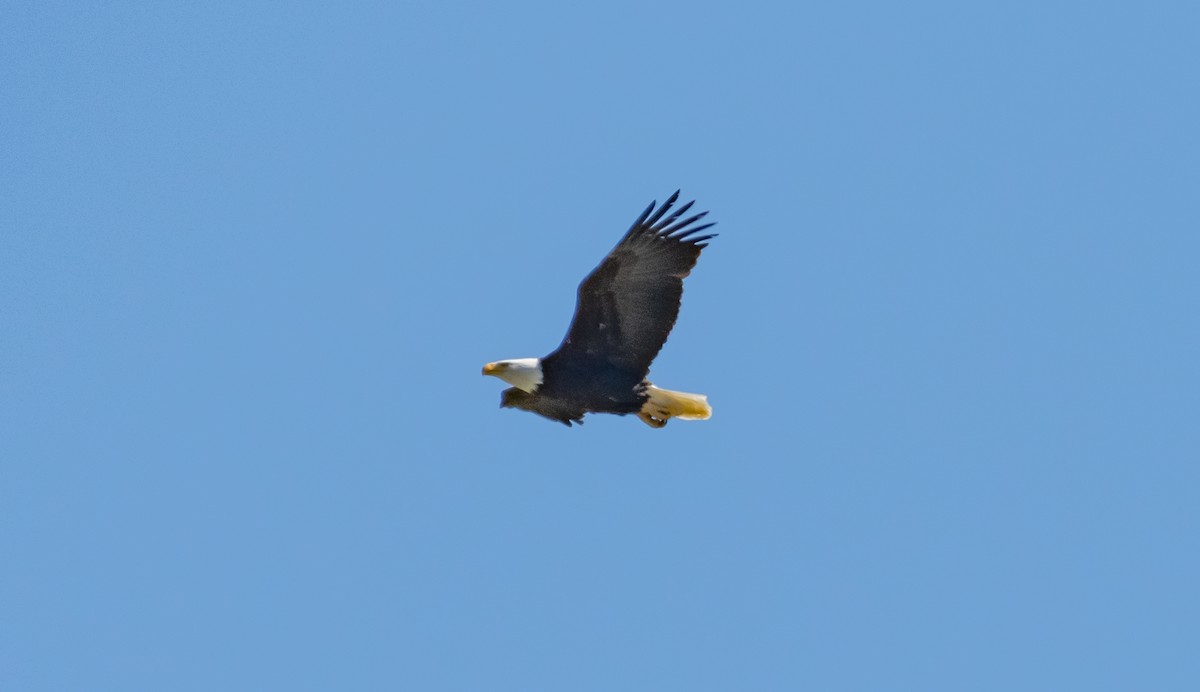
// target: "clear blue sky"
[[253, 255]]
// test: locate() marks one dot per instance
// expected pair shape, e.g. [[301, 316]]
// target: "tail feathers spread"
[[664, 404]]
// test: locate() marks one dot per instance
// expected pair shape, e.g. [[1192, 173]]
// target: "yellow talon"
[[651, 420]]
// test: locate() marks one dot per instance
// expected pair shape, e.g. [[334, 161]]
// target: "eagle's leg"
[[651, 420]]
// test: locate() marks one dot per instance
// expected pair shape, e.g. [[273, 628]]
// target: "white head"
[[523, 373]]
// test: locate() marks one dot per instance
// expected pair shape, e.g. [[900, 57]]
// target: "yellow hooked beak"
[[492, 369]]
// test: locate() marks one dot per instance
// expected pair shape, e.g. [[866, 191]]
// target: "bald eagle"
[[624, 311]]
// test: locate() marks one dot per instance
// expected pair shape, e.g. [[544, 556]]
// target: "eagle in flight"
[[624, 312]]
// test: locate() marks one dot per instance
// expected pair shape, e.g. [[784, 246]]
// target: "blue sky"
[[253, 255]]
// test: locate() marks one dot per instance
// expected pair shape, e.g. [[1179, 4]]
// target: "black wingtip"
[[654, 221], [693, 231], [682, 224], [661, 210], [640, 221]]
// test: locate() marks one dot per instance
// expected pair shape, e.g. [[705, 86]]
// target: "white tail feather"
[[664, 404]]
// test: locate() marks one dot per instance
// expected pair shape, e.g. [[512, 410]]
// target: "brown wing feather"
[[627, 306]]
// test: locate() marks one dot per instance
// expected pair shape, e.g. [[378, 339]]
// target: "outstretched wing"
[[627, 306]]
